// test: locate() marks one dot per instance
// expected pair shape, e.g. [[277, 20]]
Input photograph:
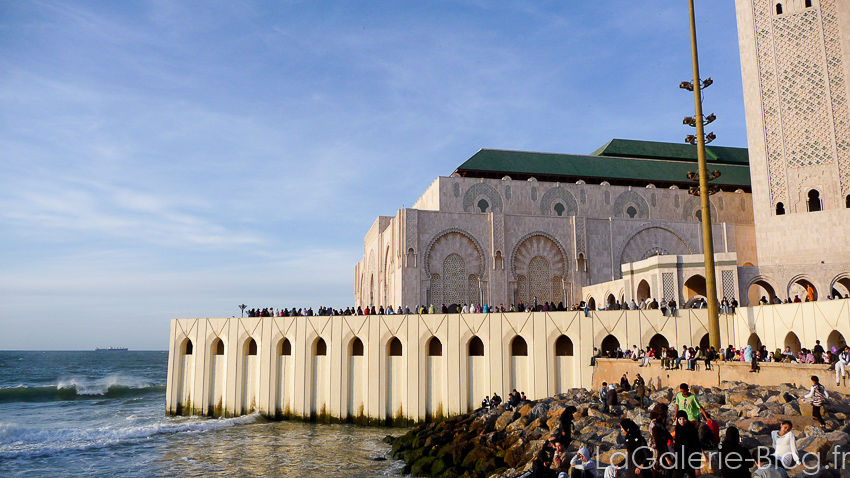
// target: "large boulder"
[[505, 419]]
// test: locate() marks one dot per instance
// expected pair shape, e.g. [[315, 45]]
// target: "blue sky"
[[175, 159]]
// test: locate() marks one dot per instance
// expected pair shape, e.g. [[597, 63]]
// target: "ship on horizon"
[[111, 349]]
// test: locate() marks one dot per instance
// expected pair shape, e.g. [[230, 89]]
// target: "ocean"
[[91, 414]]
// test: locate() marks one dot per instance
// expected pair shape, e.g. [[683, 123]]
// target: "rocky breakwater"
[[503, 443]]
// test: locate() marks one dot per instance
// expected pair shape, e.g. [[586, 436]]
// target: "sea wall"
[[402, 369]]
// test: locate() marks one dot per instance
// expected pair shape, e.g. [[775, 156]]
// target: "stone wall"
[[799, 375], [408, 368]]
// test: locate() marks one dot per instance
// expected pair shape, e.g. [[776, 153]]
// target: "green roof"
[[622, 162]]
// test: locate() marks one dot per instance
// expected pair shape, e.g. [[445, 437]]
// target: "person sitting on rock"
[[485, 404], [496, 400], [583, 466], [785, 445], [560, 460]]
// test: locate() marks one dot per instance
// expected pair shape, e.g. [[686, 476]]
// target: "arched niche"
[[217, 347], [799, 286], [186, 348], [435, 347], [320, 348], [609, 344], [250, 347], [356, 347], [759, 288], [694, 286], [791, 340], [754, 341], [835, 339], [658, 343], [476, 347], [394, 348], [284, 347], [563, 347], [519, 348], [643, 291]]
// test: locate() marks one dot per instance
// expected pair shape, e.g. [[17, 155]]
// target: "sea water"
[[103, 414]]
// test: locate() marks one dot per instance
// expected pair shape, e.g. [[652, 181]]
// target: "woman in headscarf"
[[735, 460], [687, 448], [637, 456], [659, 436], [583, 466]]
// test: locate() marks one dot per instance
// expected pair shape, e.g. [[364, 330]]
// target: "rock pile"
[[503, 443]]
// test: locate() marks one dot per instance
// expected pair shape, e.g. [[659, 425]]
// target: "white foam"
[[16, 441], [100, 386]]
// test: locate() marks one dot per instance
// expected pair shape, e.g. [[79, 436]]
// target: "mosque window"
[[187, 347], [847, 201], [808, 3], [559, 209], [779, 9], [357, 347], [219, 347], [631, 212], [251, 348], [483, 205], [321, 347], [780, 209], [814, 202]]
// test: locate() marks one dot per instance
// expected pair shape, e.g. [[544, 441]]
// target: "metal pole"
[[707, 240]]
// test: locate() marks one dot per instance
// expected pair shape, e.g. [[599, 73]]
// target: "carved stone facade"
[[795, 59], [475, 246]]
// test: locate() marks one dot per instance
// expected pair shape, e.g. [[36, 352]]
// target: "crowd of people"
[[667, 307], [836, 358], [671, 450]]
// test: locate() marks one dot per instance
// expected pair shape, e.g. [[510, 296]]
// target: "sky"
[[172, 159]]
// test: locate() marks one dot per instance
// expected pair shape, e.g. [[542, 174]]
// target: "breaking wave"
[[113, 386]]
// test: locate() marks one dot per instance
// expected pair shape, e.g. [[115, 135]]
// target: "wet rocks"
[[504, 443]]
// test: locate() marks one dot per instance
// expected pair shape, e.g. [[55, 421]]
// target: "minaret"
[[795, 60]]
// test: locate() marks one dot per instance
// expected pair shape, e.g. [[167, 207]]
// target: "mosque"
[[613, 226], [619, 224]]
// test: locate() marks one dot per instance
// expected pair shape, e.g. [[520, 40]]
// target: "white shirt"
[[786, 447]]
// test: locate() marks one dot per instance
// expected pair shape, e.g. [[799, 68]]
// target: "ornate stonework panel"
[[508, 193], [650, 238], [667, 285], [693, 206], [762, 13], [476, 192], [557, 289], [631, 198], [544, 246], [728, 281], [498, 225], [838, 91], [454, 241], [472, 289], [454, 280], [803, 89], [436, 292], [580, 232], [522, 289], [558, 195], [456, 189], [539, 279], [534, 193]]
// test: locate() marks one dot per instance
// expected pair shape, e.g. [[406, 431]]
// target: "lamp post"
[[704, 191], [243, 306]]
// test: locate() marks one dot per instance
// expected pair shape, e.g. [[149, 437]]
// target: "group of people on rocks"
[[515, 399], [675, 452]]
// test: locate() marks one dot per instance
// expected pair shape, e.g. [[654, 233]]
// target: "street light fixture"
[[243, 306], [700, 139]]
